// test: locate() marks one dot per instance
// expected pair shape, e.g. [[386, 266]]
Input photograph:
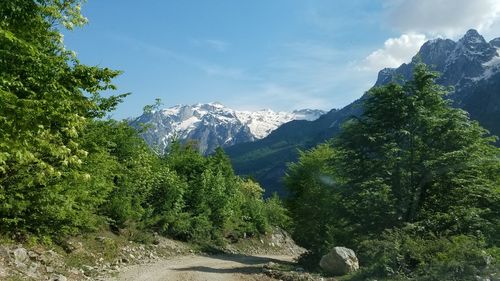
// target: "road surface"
[[202, 268]]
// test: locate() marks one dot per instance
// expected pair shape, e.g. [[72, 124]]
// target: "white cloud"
[[421, 20], [449, 18], [395, 52]]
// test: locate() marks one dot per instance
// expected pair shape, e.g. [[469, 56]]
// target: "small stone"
[[299, 269], [20, 256], [58, 277], [100, 238], [270, 265], [74, 271], [49, 269], [32, 270], [32, 254]]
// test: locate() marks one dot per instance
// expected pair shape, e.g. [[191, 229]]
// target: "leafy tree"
[[216, 202], [314, 203], [46, 98], [130, 174], [165, 203], [276, 213], [411, 158], [410, 161]]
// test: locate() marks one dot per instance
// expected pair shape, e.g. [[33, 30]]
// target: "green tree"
[[129, 174], [314, 203], [411, 158], [411, 164], [46, 98]]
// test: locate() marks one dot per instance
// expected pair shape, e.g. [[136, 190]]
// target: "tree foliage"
[[65, 170], [410, 159], [46, 99]]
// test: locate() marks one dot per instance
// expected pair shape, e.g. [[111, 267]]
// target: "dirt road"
[[202, 268]]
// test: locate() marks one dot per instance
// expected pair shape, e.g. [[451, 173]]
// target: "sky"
[[277, 54]]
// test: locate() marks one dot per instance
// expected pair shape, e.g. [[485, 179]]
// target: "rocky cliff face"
[[213, 125], [471, 66]]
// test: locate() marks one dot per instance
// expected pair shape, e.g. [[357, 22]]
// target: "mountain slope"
[[471, 65], [213, 125]]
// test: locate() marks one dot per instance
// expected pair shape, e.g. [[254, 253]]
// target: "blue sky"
[[278, 54]]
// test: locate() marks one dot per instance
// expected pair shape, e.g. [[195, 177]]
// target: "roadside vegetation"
[[66, 170], [413, 186]]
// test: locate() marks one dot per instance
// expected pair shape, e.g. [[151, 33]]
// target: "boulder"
[[339, 261]]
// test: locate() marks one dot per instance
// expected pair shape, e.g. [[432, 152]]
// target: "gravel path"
[[202, 268]]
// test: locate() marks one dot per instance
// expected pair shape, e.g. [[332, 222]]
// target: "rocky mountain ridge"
[[212, 125]]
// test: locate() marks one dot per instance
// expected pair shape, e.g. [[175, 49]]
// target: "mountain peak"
[[495, 42], [473, 47], [468, 58], [473, 37]]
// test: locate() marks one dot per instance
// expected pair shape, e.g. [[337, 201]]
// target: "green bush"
[[276, 213], [404, 254]]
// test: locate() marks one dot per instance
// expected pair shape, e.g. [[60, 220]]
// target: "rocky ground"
[[106, 256], [91, 258]]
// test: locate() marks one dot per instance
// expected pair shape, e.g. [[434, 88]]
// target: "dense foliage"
[[65, 170], [413, 185]]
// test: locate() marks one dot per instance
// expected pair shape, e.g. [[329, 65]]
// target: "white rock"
[[339, 261], [20, 257]]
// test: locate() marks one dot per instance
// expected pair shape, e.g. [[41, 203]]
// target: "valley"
[[346, 178]]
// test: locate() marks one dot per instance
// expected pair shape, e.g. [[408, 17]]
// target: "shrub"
[[404, 254]]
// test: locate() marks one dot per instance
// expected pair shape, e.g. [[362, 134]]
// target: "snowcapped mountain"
[[212, 125]]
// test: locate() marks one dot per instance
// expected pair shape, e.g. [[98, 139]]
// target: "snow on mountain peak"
[[213, 124]]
